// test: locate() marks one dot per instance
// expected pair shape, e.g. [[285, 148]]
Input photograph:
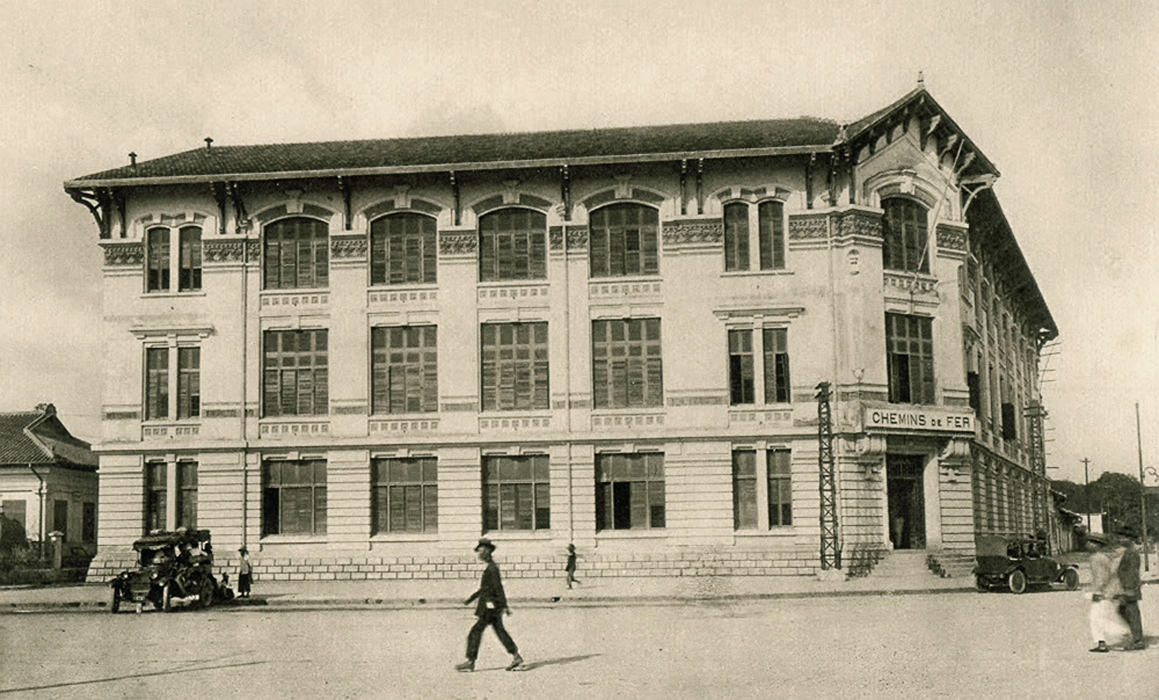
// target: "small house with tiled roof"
[[769, 347], [48, 478]]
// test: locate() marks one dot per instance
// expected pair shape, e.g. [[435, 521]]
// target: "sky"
[[1061, 96]]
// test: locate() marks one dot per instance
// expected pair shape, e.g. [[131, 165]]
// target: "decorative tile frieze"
[[951, 237], [121, 415], [577, 237], [561, 404], [859, 223], [348, 247], [910, 283], [705, 400], [356, 410], [253, 250], [222, 251], [404, 426], [154, 432], [513, 292], [221, 413], [459, 407], [761, 417], [808, 226], [627, 421], [124, 254], [521, 423], [458, 242], [693, 232], [403, 297], [294, 429], [281, 299], [623, 289]]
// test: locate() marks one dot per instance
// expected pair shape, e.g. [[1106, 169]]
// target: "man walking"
[[1131, 582], [489, 611]]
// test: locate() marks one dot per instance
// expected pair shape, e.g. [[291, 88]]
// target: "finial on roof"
[[132, 159], [46, 408], [208, 143], [921, 79]]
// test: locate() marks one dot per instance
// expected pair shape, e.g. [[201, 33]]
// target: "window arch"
[[905, 229], [403, 249], [624, 240], [297, 254], [512, 245]]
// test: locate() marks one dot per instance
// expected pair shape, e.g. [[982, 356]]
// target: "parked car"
[[172, 568], [1016, 563]]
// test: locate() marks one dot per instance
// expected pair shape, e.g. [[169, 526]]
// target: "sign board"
[[919, 419]]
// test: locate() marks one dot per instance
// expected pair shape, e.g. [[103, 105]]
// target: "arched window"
[[771, 220], [189, 260], [297, 254], [158, 259], [624, 241], [906, 236], [403, 249], [512, 245], [736, 236]]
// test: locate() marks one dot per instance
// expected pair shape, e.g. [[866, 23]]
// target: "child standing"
[[571, 566], [244, 574]]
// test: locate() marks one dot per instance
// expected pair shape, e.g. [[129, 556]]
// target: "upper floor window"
[[404, 369], [403, 249], [909, 347], [906, 237], [515, 366], [297, 254], [742, 369], [624, 240], [739, 249], [295, 373], [626, 364], [188, 383], [159, 259], [512, 245], [776, 365]]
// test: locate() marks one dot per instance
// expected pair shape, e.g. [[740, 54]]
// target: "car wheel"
[[981, 584], [116, 604], [205, 594], [166, 601], [1017, 581], [1070, 579]]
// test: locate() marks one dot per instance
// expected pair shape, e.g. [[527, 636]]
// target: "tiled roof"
[[576, 145], [49, 442]]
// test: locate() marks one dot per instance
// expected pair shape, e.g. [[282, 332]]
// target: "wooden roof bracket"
[[565, 191], [971, 186], [241, 218], [97, 202], [683, 186], [455, 197], [219, 196], [344, 188]]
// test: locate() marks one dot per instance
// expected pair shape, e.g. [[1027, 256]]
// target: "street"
[[951, 645]]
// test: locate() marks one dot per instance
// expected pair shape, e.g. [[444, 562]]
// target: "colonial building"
[[765, 347], [48, 480]]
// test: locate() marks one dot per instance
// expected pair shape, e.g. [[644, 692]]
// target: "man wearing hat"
[[489, 611], [1132, 585], [244, 574]]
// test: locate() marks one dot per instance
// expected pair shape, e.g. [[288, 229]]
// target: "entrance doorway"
[[907, 505]]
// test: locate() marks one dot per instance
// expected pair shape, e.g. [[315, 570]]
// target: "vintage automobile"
[[1016, 563], [173, 567]]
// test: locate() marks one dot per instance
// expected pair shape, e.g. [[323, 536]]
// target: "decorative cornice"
[[458, 242], [124, 254], [348, 247], [807, 226], [222, 251], [693, 232], [952, 237], [859, 223], [577, 237]]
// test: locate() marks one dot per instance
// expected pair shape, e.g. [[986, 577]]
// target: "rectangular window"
[[740, 367], [405, 495], [60, 518], [294, 497], [512, 245], [158, 259], [88, 526], [736, 236], [904, 231], [772, 235], [404, 369], [297, 254], [516, 493], [630, 491], [156, 383], [626, 363], [780, 488], [514, 369], [403, 249], [776, 365], [295, 380], [744, 489], [188, 382], [189, 262], [973, 384], [155, 490], [624, 240], [187, 495], [1009, 422], [910, 358]]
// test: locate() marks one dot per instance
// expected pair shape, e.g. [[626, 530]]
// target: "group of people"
[[1116, 588]]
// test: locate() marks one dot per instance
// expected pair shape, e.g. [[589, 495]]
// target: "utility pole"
[[1142, 490], [1087, 490]]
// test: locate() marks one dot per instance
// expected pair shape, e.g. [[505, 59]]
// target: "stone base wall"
[[360, 568]]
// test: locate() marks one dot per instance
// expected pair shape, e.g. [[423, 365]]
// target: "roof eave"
[[82, 184]]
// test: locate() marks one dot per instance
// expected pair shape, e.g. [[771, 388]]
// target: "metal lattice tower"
[[827, 466]]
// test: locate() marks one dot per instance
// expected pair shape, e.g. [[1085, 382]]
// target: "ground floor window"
[[746, 474], [294, 497], [516, 493], [60, 518], [630, 491], [405, 495], [88, 526], [155, 488], [187, 495]]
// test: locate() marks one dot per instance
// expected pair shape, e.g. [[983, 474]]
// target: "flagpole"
[[1142, 490]]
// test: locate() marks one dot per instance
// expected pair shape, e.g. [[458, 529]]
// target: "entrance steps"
[[952, 565], [903, 566]]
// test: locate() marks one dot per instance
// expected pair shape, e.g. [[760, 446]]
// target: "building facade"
[[355, 358]]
